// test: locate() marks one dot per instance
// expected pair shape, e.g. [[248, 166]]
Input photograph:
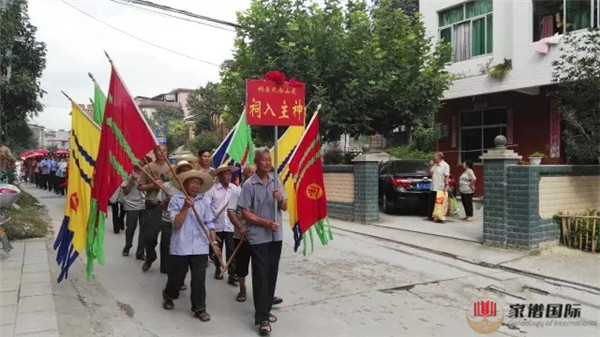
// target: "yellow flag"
[[83, 147], [285, 147]]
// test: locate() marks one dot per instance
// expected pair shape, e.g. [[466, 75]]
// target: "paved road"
[[355, 286]]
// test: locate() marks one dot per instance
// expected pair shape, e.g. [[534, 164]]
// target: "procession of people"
[[180, 203]]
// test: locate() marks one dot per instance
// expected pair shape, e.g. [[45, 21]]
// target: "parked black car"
[[404, 185]]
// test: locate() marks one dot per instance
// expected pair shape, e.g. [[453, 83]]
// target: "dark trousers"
[[153, 223], [431, 203], [60, 189], [52, 182], [165, 243], [467, 201], [227, 240], [38, 180], [265, 266], [132, 219], [118, 216], [177, 272], [45, 181], [242, 258]]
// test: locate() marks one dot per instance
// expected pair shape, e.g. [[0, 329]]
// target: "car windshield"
[[410, 167]]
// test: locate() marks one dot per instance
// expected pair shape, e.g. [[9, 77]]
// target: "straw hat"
[[224, 168], [205, 178], [182, 163], [189, 159]]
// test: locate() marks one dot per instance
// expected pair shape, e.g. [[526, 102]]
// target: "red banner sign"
[[554, 130], [270, 104]]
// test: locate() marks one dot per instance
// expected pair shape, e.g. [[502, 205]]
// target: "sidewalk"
[[26, 300], [556, 263]]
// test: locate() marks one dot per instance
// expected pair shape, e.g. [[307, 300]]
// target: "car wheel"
[[387, 208]]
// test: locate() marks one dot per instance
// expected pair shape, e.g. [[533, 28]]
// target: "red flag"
[[125, 139], [306, 168]]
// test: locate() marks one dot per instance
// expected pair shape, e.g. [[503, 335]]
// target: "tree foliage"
[[577, 72], [19, 137], [27, 59], [207, 105], [177, 134], [204, 140], [372, 68]]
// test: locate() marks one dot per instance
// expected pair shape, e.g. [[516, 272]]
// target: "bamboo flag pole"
[[237, 248], [202, 226]]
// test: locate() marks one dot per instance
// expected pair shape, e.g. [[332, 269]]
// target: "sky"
[[76, 44]]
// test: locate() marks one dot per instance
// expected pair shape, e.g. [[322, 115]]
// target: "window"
[[468, 28], [478, 130], [559, 16]]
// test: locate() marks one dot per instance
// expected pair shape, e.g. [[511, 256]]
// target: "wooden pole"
[[202, 226], [224, 269]]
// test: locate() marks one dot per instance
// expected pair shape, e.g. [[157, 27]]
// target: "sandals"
[[272, 318], [203, 316], [265, 328], [241, 297]]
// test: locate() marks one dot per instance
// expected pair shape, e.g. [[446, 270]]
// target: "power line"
[[227, 29], [183, 12], [138, 38]]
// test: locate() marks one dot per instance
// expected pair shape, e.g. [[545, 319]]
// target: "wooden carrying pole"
[[202, 226], [237, 248]]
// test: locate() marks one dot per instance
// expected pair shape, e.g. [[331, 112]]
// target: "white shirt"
[[218, 198], [438, 176], [134, 201]]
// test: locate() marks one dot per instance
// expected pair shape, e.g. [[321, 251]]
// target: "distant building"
[[176, 99], [88, 109]]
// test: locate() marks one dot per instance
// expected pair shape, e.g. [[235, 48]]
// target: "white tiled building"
[[483, 33]]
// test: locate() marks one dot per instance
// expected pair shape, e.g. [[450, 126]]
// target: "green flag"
[[99, 104], [241, 148]]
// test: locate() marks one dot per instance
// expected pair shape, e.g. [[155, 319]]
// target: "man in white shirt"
[[218, 197], [440, 176]]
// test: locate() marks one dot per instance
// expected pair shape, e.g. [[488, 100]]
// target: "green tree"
[[206, 105], [24, 58], [177, 134], [204, 140], [371, 69], [19, 137], [577, 72], [165, 115]]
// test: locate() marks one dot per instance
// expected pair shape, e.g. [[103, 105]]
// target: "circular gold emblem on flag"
[[485, 315], [314, 191]]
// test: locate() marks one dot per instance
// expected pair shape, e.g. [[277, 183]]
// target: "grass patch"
[[27, 222]]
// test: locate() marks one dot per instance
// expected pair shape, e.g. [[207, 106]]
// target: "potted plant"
[[536, 158]]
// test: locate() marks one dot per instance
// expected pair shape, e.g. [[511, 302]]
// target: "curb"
[[474, 262]]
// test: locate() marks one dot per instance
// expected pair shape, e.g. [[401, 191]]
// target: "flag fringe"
[[65, 252]]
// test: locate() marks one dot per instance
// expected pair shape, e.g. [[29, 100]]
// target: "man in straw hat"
[[265, 235], [218, 198], [189, 245], [166, 230]]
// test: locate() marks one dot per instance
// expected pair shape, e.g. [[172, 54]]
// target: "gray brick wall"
[[340, 210], [366, 207], [511, 200]]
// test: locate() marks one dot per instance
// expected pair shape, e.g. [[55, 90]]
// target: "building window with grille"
[[552, 17], [468, 28], [478, 128]]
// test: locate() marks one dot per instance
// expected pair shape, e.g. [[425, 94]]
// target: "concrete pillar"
[[366, 180], [495, 163]]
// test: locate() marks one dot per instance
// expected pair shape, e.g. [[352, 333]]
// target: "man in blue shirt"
[[45, 171], [189, 244], [52, 178]]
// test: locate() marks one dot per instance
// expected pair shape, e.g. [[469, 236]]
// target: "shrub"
[[409, 152], [28, 221]]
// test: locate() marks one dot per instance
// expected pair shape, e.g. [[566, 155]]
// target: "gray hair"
[[261, 150], [439, 154]]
